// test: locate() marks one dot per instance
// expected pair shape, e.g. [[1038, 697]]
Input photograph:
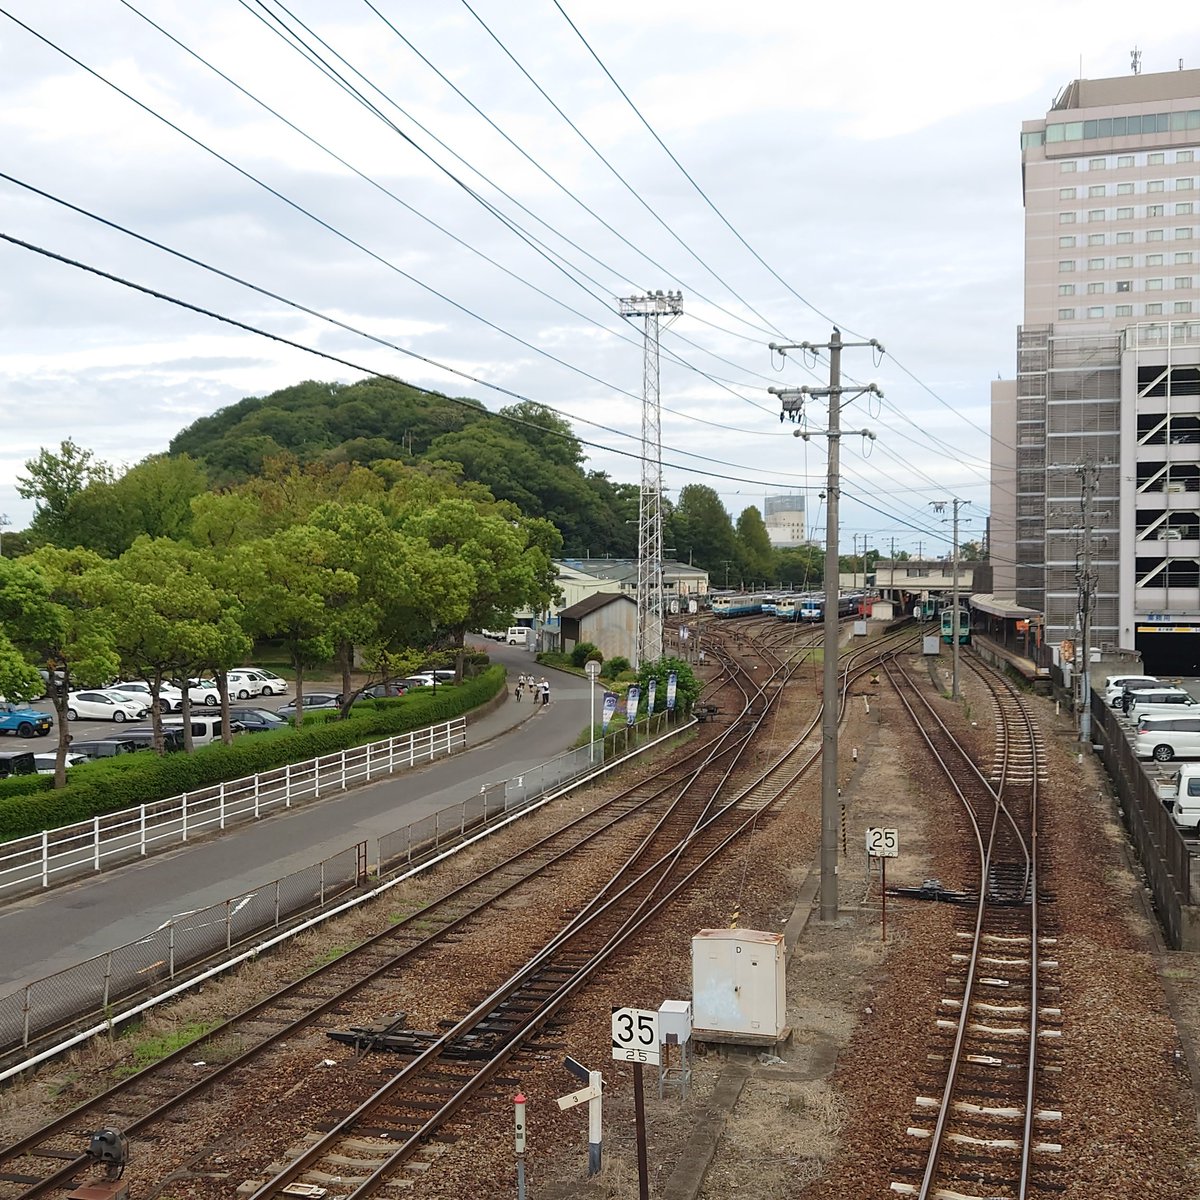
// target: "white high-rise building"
[[783, 516], [1108, 370]]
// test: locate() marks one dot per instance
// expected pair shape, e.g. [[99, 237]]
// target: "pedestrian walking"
[[545, 689], [519, 687]]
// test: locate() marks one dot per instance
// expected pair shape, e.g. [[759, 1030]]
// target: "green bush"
[[132, 779], [585, 652], [614, 666], [553, 658]]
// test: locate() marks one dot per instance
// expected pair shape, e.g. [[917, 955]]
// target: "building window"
[[1066, 289], [1096, 214], [1124, 260], [1184, 209], [1124, 214], [1154, 310], [1066, 314], [1097, 164], [1154, 210], [1154, 285], [1066, 243], [1154, 260], [1124, 160], [1183, 281], [1066, 218], [1155, 159], [1154, 235], [1123, 239], [1183, 185], [1066, 193], [1096, 189], [1124, 285], [1123, 310], [1096, 313], [1095, 289], [1095, 239], [1182, 235], [1095, 264], [1185, 156], [1066, 167], [1124, 189], [1155, 185], [1066, 265], [1182, 257], [1183, 306]]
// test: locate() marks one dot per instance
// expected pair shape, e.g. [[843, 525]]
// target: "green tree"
[[702, 532], [756, 555], [54, 480]]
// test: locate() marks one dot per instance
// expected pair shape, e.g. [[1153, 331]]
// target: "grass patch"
[[151, 1048], [328, 953]]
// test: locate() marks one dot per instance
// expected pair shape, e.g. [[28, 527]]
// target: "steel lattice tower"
[[652, 307]]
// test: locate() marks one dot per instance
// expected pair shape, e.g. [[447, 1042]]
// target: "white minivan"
[[206, 727], [1158, 701], [1163, 738], [518, 635], [1115, 685], [1186, 810]]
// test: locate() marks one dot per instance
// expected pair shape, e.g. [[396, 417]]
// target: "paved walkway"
[[46, 933]]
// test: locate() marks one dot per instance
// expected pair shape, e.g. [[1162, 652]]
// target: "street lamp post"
[[592, 667]]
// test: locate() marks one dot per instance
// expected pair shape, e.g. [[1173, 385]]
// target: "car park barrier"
[[58, 856]]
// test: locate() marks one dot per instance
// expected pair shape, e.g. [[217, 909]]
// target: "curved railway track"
[[984, 1126]]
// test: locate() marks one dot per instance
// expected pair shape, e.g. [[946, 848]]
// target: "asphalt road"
[[57, 929]]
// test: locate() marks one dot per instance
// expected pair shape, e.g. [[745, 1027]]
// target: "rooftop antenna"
[[1135, 63]]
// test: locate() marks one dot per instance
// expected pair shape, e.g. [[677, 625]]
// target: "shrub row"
[[29, 804]]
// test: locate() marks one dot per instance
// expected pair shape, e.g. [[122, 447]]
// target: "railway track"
[[984, 1121]]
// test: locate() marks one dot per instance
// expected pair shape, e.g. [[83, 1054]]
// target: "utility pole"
[[652, 307], [1087, 577], [792, 404], [940, 506]]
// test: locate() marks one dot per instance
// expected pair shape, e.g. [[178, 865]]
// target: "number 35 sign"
[[883, 843], [635, 1035]]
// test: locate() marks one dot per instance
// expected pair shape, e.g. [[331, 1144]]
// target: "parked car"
[[313, 701], [518, 635], [105, 706], [1125, 700], [170, 698], [143, 735], [106, 747], [258, 720], [1115, 685], [205, 726], [1163, 738], [46, 764], [16, 762], [273, 685], [381, 691], [24, 721], [202, 691], [242, 685], [497, 635], [1162, 701]]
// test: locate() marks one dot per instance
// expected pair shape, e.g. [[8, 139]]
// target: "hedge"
[[29, 805]]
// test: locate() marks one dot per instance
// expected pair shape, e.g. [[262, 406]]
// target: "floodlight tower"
[[652, 307]]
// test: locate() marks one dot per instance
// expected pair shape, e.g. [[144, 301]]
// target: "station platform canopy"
[[1001, 606]]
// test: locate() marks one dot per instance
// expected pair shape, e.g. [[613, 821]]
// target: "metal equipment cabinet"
[[738, 987]]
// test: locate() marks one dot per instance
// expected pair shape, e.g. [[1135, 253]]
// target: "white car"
[[46, 763], [169, 696], [105, 706], [203, 691], [273, 685], [242, 685]]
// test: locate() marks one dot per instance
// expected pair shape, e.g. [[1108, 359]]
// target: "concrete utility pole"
[[940, 506], [653, 306], [792, 404], [1086, 580]]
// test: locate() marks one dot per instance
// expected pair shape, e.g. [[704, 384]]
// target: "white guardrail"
[[45, 859]]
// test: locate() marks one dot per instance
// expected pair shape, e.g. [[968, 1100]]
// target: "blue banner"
[[631, 703], [610, 707], [671, 692], [651, 688]]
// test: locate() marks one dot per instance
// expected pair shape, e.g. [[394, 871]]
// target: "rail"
[[42, 861]]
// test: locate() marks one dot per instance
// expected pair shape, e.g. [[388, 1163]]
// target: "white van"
[[1163, 738], [1162, 701], [206, 727], [1115, 685], [518, 635], [1186, 810]]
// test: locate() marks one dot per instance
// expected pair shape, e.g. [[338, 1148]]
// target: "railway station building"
[[1096, 442]]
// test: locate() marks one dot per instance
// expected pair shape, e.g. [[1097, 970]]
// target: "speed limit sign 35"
[[635, 1035], [883, 843]]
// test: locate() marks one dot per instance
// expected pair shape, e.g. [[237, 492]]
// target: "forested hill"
[[526, 454]]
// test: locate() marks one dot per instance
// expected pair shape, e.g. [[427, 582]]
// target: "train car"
[[852, 605], [787, 608], [736, 605], [964, 626]]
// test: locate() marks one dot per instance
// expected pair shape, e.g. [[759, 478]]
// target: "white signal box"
[[675, 1022]]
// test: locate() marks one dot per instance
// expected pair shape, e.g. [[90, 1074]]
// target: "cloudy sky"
[[469, 185]]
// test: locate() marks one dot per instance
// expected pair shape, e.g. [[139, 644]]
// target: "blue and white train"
[[737, 605]]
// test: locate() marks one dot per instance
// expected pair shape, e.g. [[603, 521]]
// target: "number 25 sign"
[[883, 843], [635, 1035]]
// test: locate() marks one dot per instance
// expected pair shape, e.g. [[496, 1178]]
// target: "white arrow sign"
[[580, 1097]]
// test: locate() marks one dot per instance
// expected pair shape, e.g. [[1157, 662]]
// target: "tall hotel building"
[[1108, 370]]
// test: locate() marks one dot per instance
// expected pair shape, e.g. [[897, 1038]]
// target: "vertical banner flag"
[[671, 692], [631, 703], [651, 688], [610, 707]]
